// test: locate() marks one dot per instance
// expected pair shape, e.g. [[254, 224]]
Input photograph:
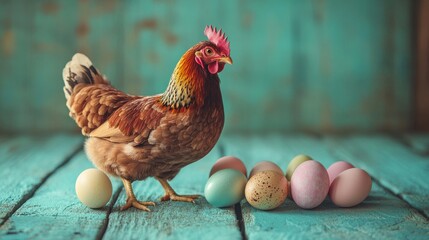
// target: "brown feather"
[[90, 109], [138, 137]]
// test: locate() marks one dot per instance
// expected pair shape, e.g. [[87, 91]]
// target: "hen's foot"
[[132, 202], [170, 194], [180, 198], [131, 198]]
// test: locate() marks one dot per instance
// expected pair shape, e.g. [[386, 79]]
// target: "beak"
[[225, 60]]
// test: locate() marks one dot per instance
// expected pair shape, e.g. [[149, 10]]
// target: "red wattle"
[[213, 67]]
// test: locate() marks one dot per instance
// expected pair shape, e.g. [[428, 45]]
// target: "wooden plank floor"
[[37, 198]]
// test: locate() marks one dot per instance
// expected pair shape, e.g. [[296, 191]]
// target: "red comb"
[[218, 38]]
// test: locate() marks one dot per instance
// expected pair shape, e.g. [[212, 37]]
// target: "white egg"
[[93, 188]]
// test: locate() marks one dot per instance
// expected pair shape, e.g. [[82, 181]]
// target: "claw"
[[180, 198], [137, 204], [131, 199], [170, 194]]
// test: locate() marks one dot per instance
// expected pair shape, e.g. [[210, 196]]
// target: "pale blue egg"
[[225, 188]]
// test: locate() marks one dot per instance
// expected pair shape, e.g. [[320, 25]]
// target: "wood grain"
[[380, 216], [24, 164], [419, 142], [395, 209], [55, 211], [175, 220], [396, 167]]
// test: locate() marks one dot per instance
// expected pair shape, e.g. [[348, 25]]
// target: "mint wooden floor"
[[37, 198]]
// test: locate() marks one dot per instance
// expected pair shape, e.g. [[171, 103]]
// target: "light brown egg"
[[228, 162], [266, 190], [264, 166]]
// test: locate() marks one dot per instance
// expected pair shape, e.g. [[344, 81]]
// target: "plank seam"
[[36, 187], [237, 207], [103, 228], [387, 189], [240, 220], [399, 196], [401, 139]]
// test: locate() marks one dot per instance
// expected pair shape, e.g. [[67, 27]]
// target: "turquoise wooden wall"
[[298, 65]]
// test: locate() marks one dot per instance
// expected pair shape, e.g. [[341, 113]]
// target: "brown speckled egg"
[[266, 190]]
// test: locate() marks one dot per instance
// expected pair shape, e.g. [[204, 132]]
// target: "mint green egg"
[[294, 163], [225, 188]]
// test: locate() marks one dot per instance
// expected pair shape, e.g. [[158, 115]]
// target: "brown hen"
[[134, 137]]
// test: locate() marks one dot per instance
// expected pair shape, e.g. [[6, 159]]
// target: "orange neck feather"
[[190, 85]]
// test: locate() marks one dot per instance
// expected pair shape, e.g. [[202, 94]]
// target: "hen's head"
[[213, 54]]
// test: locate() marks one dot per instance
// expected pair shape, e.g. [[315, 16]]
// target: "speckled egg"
[[225, 188], [350, 187], [294, 163], [93, 188], [264, 166], [337, 168], [228, 162], [309, 184], [266, 190]]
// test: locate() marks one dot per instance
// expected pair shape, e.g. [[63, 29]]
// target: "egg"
[[266, 190], [228, 162], [337, 168], [350, 187], [294, 163], [264, 166], [93, 188], [309, 184], [225, 188]]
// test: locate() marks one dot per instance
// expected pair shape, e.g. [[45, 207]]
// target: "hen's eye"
[[209, 51]]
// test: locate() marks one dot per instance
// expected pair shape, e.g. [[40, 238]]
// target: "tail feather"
[[80, 70]]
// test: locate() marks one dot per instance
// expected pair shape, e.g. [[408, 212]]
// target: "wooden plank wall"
[[298, 65], [422, 60]]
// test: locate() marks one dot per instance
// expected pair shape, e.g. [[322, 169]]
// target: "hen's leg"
[[131, 198], [171, 194]]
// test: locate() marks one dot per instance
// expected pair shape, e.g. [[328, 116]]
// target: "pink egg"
[[350, 187], [228, 162], [309, 184], [337, 168]]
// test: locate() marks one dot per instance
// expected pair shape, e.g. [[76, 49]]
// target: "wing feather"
[[132, 122]]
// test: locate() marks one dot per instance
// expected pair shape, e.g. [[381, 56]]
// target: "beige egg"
[[264, 166], [266, 190], [93, 188]]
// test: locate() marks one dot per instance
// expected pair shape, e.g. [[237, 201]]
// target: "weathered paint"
[[55, 212], [26, 161], [314, 65], [380, 216], [394, 211], [175, 220], [418, 142], [399, 169]]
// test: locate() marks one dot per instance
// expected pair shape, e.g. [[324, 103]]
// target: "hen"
[[136, 137]]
